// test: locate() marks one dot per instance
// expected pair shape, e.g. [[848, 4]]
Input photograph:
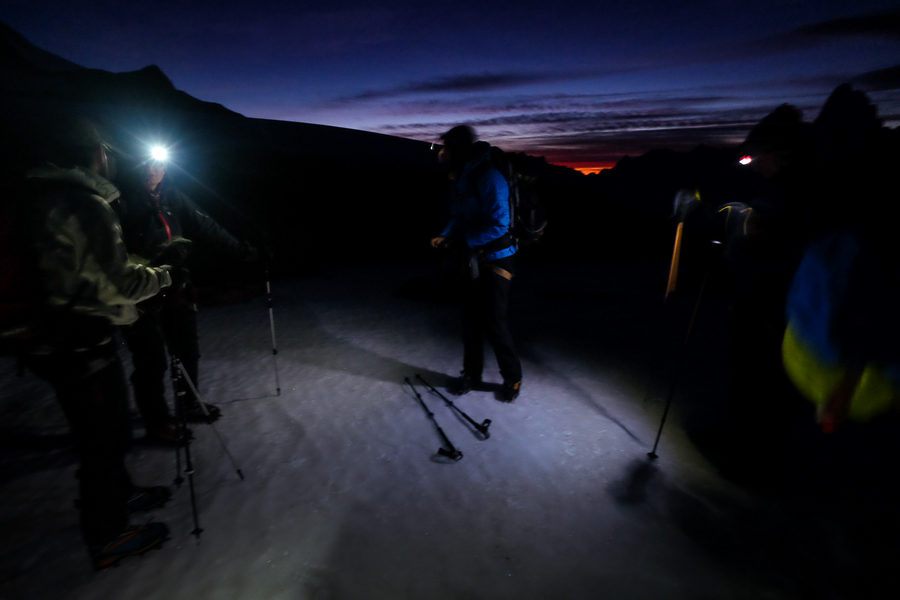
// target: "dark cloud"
[[588, 127], [537, 103], [462, 83], [875, 25], [601, 136], [880, 80], [871, 25], [609, 147]]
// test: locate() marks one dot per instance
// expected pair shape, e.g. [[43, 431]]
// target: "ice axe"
[[734, 222], [686, 201]]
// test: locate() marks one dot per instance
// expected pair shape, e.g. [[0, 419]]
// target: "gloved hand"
[[164, 275], [174, 253]]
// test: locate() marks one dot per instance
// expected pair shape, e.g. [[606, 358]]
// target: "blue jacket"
[[479, 212]]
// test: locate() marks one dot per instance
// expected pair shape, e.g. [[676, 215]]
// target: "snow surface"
[[343, 496]]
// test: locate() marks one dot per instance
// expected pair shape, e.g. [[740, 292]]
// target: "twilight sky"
[[582, 83]]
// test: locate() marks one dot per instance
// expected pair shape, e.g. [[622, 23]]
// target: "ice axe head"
[[734, 220], [686, 201]]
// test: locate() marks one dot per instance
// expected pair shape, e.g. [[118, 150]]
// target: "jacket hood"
[[481, 154], [77, 176]]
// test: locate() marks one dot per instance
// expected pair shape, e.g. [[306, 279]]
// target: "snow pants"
[[91, 388], [172, 326], [486, 316]]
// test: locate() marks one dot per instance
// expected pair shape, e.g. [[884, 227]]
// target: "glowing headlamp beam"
[[159, 153], [746, 160]]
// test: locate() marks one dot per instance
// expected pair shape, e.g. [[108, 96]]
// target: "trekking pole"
[[177, 378], [482, 427], [272, 329], [450, 451], [209, 420], [685, 202], [675, 378]]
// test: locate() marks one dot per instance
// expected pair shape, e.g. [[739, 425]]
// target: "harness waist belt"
[[501, 243]]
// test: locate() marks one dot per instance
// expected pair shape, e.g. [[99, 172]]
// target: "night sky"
[[582, 83]]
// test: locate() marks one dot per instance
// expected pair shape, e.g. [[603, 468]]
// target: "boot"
[[169, 433], [194, 413], [133, 541], [463, 384], [510, 391]]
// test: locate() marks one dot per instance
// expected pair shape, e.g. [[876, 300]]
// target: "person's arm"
[[200, 226], [450, 228], [118, 280], [493, 196]]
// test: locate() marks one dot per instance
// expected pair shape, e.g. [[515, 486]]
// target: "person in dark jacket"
[[159, 225], [480, 222], [88, 285]]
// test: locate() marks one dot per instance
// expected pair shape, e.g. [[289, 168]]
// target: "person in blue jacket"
[[480, 221]]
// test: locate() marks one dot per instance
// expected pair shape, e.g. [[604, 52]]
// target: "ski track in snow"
[[342, 497]]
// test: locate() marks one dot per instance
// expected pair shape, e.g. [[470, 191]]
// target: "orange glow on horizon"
[[588, 168]]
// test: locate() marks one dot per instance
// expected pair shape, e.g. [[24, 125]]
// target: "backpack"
[[839, 347], [527, 217], [19, 284]]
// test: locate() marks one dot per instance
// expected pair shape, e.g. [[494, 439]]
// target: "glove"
[[174, 253], [164, 276]]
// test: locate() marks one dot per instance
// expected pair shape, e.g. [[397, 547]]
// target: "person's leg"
[[498, 276], [91, 388], [103, 439], [473, 329], [180, 329], [148, 354]]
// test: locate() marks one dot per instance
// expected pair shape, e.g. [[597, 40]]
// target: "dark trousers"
[[90, 385], [172, 326], [486, 316]]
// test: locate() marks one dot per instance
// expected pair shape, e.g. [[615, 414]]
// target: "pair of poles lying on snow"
[[448, 450], [180, 380]]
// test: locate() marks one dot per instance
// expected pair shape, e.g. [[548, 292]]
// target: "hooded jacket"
[[77, 244], [479, 211]]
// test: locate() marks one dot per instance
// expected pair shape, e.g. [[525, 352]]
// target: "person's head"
[[153, 174], [80, 142], [780, 141], [458, 144]]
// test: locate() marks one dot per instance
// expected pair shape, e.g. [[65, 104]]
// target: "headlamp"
[[746, 160], [159, 154]]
